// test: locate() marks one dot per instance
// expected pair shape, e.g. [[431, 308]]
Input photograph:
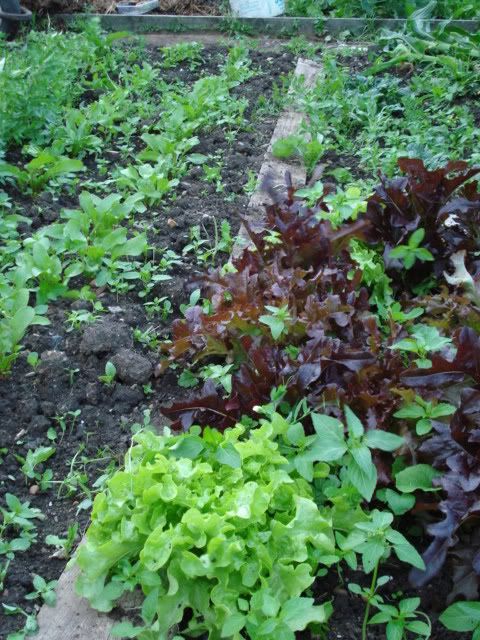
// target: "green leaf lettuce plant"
[[236, 526]]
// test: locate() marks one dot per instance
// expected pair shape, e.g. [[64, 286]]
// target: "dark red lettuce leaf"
[[455, 450], [437, 201]]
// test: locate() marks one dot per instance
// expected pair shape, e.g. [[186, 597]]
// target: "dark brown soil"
[[66, 379]]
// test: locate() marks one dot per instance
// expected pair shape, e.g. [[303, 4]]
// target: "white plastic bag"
[[257, 8]]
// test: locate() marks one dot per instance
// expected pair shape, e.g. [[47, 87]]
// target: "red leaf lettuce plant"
[[329, 314]]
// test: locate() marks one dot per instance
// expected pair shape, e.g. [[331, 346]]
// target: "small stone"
[[34, 489], [48, 408], [92, 393], [39, 424], [132, 368], [171, 223], [127, 396], [52, 365], [80, 305], [105, 337]]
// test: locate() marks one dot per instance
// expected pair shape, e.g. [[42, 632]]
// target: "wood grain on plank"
[[287, 124], [72, 618]]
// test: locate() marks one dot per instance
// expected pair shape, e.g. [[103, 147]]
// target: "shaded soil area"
[[93, 421]]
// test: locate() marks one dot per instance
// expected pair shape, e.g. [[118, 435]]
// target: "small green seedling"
[[64, 546], [370, 596], [412, 251], [297, 146], [424, 412], [311, 195], [44, 590], [109, 376], [3, 573], [402, 620], [424, 339], [30, 463], [33, 359], [399, 315], [219, 373], [30, 627], [277, 320]]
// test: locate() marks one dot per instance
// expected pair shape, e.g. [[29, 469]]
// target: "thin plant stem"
[[367, 607]]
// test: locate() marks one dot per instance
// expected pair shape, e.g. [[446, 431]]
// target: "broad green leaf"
[[419, 476], [383, 440], [355, 427], [399, 503], [461, 616], [442, 409], [379, 618], [394, 630], [329, 444], [364, 481], [277, 325], [419, 627], [423, 426], [227, 454], [234, 624], [372, 551], [298, 613], [412, 411], [295, 433], [304, 466], [125, 630], [188, 447], [362, 456], [409, 605], [405, 551]]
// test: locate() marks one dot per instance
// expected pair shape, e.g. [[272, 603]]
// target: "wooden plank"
[[281, 27], [72, 618], [276, 169]]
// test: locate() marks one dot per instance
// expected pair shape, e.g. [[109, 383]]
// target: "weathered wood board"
[[287, 124], [72, 618], [282, 26]]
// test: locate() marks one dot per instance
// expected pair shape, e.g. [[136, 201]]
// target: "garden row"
[[334, 437], [123, 171]]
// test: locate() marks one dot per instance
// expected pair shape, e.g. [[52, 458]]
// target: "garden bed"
[[66, 380], [355, 123]]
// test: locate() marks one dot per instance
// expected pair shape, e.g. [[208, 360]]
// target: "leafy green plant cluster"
[[94, 241], [371, 120], [236, 526], [324, 310], [37, 173], [167, 155], [41, 76], [89, 242], [381, 8], [182, 52]]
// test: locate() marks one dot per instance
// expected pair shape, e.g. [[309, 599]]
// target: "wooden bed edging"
[[283, 26]]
